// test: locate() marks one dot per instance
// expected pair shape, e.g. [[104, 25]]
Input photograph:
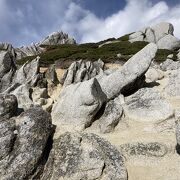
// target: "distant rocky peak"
[[57, 38]]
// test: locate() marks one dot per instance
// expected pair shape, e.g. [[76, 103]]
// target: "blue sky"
[[26, 21]]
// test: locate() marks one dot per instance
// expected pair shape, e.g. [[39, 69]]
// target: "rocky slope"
[[92, 122], [35, 49]]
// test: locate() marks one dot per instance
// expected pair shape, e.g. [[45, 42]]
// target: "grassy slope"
[[92, 52]]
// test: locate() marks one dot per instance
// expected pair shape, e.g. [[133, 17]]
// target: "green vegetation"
[[89, 51], [125, 37], [104, 41], [163, 53], [68, 53]]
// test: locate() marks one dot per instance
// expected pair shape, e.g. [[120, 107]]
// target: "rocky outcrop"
[[147, 105], [22, 82], [8, 108], [82, 71], [57, 38], [178, 135], [7, 70], [28, 73], [9, 48], [35, 49], [51, 75], [8, 105], [24, 79], [77, 105], [169, 64], [172, 89], [161, 34], [33, 131], [131, 75], [32, 50], [40, 97], [111, 116], [169, 42], [154, 149], [84, 156], [153, 75], [177, 117], [7, 136]]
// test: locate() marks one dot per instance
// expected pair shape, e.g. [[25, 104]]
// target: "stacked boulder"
[[79, 104], [35, 144], [23, 82], [161, 34], [26, 142]]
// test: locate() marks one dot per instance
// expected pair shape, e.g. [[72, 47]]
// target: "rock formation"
[[35, 49], [82, 71], [135, 106], [31, 50], [172, 89], [77, 105], [57, 38], [147, 105], [169, 64], [84, 156], [131, 75], [24, 149], [161, 34]]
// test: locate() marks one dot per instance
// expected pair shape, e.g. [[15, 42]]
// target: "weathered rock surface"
[[153, 75], [154, 149], [170, 65], [40, 97], [82, 71], [57, 38], [33, 131], [111, 116], [178, 55], [7, 69], [177, 117], [77, 105], [7, 136], [172, 89], [51, 75], [22, 83], [8, 105], [32, 50], [84, 156], [9, 48], [161, 34], [23, 94], [27, 73], [169, 42], [131, 75], [8, 108], [152, 34], [35, 49], [147, 105]]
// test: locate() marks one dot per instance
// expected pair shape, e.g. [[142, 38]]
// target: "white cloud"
[[137, 14], [25, 21]]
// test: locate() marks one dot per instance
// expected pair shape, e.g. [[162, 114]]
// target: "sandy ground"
[[150, 168], [166, 167]]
